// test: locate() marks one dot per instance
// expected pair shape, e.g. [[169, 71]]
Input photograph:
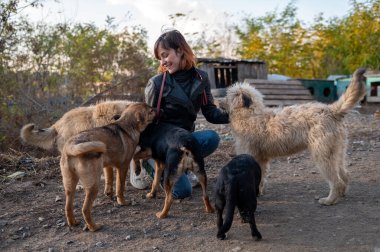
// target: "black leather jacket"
[[179, 108]]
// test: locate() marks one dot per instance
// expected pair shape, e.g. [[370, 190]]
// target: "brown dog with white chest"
[[85, 154]]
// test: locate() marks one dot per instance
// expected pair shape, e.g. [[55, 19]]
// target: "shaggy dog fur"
[[85, 154], [175, 151], [237, 185], [266, 133], [73, 122]]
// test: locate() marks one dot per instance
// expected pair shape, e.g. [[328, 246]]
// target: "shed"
[[373, 87], [224, 72]]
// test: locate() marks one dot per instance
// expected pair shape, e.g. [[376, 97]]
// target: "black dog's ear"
[[246, 101]]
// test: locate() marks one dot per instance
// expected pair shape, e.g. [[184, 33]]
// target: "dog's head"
[[139, 115], [109, 111], [243, 95]]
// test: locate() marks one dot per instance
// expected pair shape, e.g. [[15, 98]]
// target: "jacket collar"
[[197, 87]]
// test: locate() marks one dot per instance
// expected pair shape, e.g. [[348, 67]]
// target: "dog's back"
[[237, 186], [175, 151], [163, 137], [71, 123]]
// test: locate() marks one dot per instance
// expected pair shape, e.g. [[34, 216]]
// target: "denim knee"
[[182, 188], [209, 141]]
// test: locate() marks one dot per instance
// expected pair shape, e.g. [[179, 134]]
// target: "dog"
[[175, 151], [73, 122], [85, 154], [237, 185], [266, 133]]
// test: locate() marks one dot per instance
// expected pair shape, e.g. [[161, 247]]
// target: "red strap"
[[204, 96], [160, 96]]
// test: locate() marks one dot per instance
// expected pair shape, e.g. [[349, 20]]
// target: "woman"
[[186, 92]]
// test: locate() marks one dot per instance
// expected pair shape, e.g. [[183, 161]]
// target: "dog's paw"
[[92, 228], [258, 236], [161, 215], [210, 209], [73, 223], [221, 236], [150, 195], [122, 202], [108, 193], [326, 201]]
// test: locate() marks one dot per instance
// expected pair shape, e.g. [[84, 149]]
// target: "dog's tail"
[[72, 149], [354, 93], [230, 207], [44, 138]]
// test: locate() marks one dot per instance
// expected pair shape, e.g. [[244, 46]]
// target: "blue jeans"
[[209, 141]]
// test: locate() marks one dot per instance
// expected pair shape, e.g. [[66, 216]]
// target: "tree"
[[277, 38], [333, 46]]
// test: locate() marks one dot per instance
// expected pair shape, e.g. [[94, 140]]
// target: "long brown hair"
[[173, 39]]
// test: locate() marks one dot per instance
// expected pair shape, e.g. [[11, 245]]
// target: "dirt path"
[[289, 216]]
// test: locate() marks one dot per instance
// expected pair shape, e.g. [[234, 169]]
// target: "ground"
[[288, 215]]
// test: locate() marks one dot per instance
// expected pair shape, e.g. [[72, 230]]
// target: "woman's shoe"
[[143, 180]]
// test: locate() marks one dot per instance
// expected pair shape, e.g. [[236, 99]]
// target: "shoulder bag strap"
[[160, 96]]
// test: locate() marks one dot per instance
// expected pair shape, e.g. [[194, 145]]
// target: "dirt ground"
[[288, 216]]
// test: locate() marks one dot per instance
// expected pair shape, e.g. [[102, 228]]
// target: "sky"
[[153, 15]]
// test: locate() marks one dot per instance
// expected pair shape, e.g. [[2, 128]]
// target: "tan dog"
[[266, 133], [73, 122], [85, 154]]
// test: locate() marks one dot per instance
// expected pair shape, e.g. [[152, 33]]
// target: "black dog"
[[237, 185], [175, 150]]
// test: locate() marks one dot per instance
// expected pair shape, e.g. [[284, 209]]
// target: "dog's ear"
[[141, 116], [247, 102], [116, 117]]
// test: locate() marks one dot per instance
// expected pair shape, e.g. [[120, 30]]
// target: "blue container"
[[341, 85], [322, 90]]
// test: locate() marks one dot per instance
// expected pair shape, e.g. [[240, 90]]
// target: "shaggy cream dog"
[[267, 133]]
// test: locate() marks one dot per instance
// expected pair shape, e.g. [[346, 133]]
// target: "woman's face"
[[169, 58]]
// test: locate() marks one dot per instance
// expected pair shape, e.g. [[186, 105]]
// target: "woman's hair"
[[173, 39]]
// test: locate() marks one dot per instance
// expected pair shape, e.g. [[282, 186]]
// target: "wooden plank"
[[285, 91], [225, 67], [284, 102], [288, 97], [275, 82], [275, 86]]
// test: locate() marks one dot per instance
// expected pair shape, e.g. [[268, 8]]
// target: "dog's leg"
[[108, 181], [157, 179], [264, 165], [202, 177], [89, 172], [70, 180], [142, 154], [330, 170], [343, 174], [91, 193], [220, 203], [254, 231], [168, 199], [121, 174]]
